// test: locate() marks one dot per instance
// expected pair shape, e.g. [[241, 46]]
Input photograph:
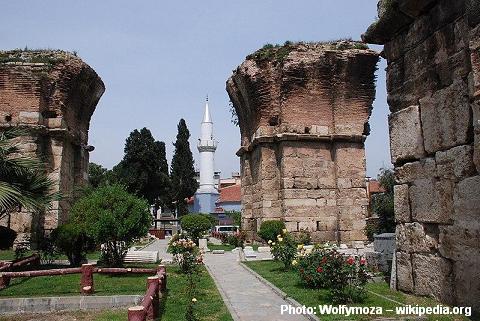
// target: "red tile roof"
[[374, 187], [230, 194]]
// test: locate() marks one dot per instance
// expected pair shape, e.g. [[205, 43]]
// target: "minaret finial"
[[207, 98]]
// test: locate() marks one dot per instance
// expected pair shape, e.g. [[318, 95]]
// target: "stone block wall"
[[52, 95], [433, 81], [303, 113]]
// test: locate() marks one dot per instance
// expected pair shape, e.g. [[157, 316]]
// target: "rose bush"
[[185, 253], [326, 268], [284, 249]]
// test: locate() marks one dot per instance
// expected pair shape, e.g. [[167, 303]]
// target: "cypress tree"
[[144, 168], [182, 170]]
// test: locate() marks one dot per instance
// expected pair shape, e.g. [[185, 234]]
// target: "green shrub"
[[310, 268], [270, 229], [7, 237], [236, 239], [114, 218], [47, 249], [213, 220], [347, 278], [284, 249], [195, 225], [303, 237], [236, 218], [344, 277], [72, 241]]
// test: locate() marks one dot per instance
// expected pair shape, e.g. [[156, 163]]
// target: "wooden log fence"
[[32, 259], [149, 307], [86, 271]]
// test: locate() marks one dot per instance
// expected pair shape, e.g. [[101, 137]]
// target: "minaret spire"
[[207, 194], [206, 116]]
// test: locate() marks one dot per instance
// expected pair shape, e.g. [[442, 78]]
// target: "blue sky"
[[159, 59]]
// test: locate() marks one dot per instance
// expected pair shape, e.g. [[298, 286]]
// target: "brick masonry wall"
[[433, 82], [303, 122], [53, 100]]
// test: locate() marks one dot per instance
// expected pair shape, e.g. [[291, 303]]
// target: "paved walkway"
[[246, 297], [161, 247]]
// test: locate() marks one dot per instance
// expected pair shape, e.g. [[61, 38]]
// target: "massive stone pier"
[[52, 95], [433, 80], [303, 113]]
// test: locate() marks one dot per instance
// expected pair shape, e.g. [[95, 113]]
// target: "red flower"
[[350, 260], [319, 269], [363, 261], [324, 259]]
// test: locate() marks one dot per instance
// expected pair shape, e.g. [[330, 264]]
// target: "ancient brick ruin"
[[433, 81], [52, 94], [303, 113]]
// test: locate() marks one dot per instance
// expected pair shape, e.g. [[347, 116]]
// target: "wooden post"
[[136, 313], [152, 309], [4, 281], [162, 270], [86, 283]]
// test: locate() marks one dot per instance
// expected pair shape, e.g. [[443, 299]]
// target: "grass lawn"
[[8, 255], [210, 306], [93, 315], [289, 282]]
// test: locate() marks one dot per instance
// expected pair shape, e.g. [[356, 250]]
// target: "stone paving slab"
[[246, 297]]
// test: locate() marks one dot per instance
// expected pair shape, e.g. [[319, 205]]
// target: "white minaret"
[[206, 194]]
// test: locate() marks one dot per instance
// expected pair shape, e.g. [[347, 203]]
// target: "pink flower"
[[363, 261], [350, 260], [319, 269]]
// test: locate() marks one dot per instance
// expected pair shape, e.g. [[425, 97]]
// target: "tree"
[[113, 217], [23, 181], [96, 174], [195, 225], [182, 171], [382, 204], [144, 168]]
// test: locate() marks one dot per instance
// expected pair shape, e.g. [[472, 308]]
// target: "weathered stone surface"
[[433, 61], [415, 238], [467, 282], [476, 132], [433, 276], [401, 203], [460, 243], [301, 140], [432, 201], [423, 169], [467, 202], [404, 272], [406, 141], [54, 101], [455, 163], [446, 118]]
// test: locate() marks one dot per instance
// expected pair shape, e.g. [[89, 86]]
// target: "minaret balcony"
[[207, 145]]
